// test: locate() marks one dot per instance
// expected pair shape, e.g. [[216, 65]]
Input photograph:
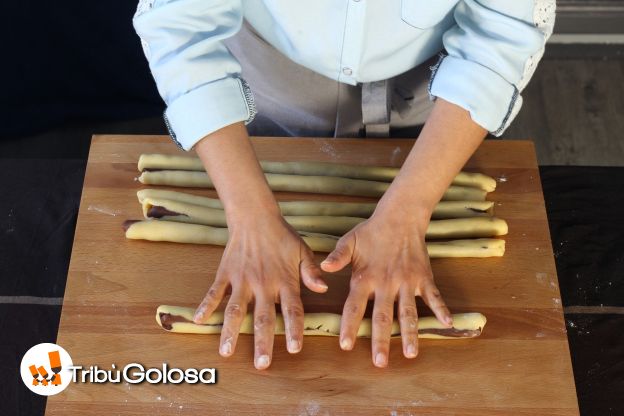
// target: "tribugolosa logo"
[[48, 369], [45, 369]]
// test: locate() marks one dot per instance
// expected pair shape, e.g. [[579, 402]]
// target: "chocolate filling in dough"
[[167, 320], [159, 212]]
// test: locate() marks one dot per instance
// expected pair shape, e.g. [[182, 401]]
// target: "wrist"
[[253, 211], [400, 198], [414, 190], [403, 215]]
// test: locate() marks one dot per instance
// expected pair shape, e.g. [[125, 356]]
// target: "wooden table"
[[520, 365]]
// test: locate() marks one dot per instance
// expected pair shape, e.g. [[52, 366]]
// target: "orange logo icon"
[[45, 369], [55, 366]]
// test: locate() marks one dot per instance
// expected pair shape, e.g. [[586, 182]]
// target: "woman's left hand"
[[389, 261]]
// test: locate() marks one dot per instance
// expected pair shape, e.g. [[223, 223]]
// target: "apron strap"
[[376, 108]]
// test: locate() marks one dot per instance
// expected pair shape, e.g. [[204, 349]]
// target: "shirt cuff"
[[492, 101], [206, 109]]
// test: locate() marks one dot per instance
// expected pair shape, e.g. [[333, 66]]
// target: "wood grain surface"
[[519, 366]]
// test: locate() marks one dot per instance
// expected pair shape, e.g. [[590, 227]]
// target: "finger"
[[341, 256], [211, 300], [352, 314], [408, 321], [432, 297], [264, 330], [234, 314], [382, 327], [292, 311], [311, 273]]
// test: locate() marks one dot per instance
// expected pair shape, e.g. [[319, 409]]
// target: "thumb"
[[311, 275], [341, 256]]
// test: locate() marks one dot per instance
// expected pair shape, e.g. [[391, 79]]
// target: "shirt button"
[[347, 71]]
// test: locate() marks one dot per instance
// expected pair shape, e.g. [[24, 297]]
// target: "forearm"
[[232, 165], [446, 142]]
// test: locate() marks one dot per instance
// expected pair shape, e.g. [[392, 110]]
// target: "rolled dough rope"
[[467, 228], [154, 230], [444, 209], [143, 194], [169, 210], [374, 173], [180, 320], [451, 228], [308, 184], [179, 232], [462, 209], [323, 243], [195, 214]]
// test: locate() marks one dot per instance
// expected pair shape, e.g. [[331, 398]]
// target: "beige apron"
[[292, 100]]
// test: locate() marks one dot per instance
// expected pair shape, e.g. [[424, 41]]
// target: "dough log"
[[374, 173], [308, 184], [444, 209], [203, 201], [195, 214], [179, 319], [179, 232]]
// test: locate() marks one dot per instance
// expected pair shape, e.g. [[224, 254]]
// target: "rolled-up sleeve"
[[491, 54], [196, 76]]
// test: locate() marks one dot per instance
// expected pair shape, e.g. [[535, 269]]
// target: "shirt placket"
[[352, 41]]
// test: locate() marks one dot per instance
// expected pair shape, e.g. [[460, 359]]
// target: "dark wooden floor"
[[574, 111]]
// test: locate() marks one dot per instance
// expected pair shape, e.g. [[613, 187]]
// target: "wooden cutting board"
[[520, 365]]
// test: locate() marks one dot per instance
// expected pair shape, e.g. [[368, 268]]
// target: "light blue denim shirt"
[[492, 48]]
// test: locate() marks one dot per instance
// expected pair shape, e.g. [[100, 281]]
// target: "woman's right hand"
[[264, 257], [263, 260]]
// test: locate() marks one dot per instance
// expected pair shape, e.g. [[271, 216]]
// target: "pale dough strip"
[[374, 173], [448, 228], [465, 325], [308, 184], [444, 209], [179, 232]]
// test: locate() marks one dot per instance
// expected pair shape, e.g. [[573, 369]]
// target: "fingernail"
[[323, 285], [327, 261], [262, 361], [226, 348], [293, 345], [198, 316], [345, 343], [380, 359], [411, 350], [449, 320]]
